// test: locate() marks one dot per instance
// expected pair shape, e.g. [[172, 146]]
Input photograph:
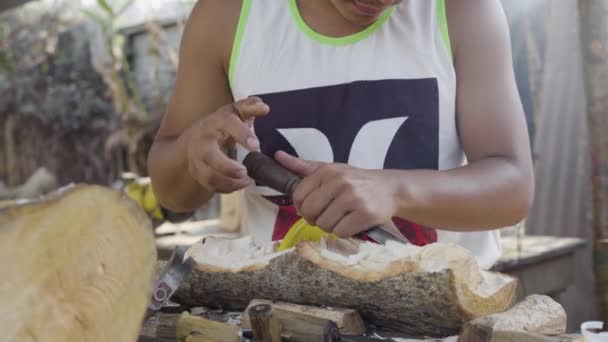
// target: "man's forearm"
[[488, 194], [173, 185]]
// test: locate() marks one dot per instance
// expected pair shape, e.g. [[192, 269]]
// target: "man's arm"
[[185, 162], [496, 188]]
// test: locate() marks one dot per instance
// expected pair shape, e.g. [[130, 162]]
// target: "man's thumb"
[[296, 165]]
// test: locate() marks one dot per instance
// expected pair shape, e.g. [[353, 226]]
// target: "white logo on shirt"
[[368, 150]]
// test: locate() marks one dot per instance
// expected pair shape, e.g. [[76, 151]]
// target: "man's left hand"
[[339, 198]]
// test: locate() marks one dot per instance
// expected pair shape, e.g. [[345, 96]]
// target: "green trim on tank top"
[[443, 25], [238, 40], [350, 39]]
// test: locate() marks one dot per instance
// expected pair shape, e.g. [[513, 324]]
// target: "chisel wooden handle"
[[267, 172]]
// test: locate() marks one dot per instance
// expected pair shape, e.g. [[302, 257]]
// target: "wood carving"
[[421, 291]]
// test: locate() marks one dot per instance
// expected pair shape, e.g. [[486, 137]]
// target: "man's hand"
[[339, 198], [206, 139]]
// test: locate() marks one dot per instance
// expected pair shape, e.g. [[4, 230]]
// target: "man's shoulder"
[[215, 16], [472, 22], [212, 25]]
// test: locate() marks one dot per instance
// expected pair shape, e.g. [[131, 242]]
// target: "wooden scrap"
[[197, 329], [536, 314], [161, 325], [265, 327], [348, 320], [299, 327]]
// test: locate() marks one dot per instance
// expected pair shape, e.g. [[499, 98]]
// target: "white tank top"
[[380, 98]]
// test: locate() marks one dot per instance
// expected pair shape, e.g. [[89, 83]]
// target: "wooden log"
[[265, 327], [185, 327], [419, 291], [77, 265], [298, 327], [198, 329], [348, 321], [535, 314]]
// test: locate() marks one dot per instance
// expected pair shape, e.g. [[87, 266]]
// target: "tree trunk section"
[[76, 266], [400, 297]]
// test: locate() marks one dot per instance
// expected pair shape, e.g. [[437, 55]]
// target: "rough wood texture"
[[594, 39], [535, 314], [192, 328], [76, 266], [434, 304], [264, 326], [348, 321]]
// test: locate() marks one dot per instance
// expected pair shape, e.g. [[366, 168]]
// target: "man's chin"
[[361, 20]]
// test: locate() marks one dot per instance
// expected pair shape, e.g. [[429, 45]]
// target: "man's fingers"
[[225, 185], [217, 182], [296, 165], [331, 216], [348, 225], [318, 202], [221, 163], [250, 107], [239, 131], [304, 189]]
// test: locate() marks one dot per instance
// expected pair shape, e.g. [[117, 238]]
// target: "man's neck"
[[324, 18]]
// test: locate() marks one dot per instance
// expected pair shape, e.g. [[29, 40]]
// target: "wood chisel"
[[169, 280], [267, 172]]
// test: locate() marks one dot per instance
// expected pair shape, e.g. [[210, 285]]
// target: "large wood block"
[[77, 265]]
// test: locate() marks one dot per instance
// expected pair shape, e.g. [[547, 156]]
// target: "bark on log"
[[414, 295], [535, 314], [77, 265]]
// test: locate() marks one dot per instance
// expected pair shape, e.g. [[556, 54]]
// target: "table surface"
[[533, 249]]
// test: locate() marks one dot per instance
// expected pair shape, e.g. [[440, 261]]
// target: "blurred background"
[[83, 86]]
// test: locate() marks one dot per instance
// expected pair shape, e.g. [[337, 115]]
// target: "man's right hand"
[[208, 164]]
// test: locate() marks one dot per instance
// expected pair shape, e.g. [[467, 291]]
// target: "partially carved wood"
[[77, 265], [420, 291], [535, 314]]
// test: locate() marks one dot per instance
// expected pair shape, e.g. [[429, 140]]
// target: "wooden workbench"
[[543, 264]]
